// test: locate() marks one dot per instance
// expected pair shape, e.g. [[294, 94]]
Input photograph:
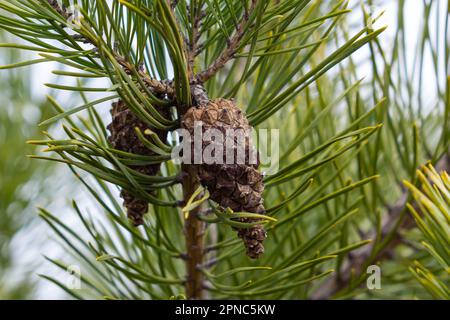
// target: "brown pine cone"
[[123, 137], [238, 186]]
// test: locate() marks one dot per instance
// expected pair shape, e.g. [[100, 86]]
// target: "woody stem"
[[193, 231]]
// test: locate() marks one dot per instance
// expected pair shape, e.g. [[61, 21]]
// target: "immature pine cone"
[[123, 137], [235, 186]]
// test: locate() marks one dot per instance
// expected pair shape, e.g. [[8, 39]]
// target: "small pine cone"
[[136, 207], [123, 137], [238, 185], [253, 238]]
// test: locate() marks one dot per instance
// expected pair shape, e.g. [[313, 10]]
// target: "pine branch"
[[158, 87], [393, 223], [231, 49], [193, 42]]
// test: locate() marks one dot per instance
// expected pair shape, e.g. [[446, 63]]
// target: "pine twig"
[[193, 42], [230, 50], [158, 87]]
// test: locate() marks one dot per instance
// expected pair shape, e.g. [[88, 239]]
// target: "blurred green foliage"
[[21, 180]]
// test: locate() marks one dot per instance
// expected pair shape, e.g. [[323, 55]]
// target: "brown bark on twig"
[[194, 231], [158, 87], [194, 228], [194, 40], [230, 50]]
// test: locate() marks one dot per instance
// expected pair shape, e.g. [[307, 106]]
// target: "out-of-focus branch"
[[230, 50], [394, 221]]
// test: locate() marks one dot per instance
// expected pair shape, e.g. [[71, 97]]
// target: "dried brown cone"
[[123, 137], [238, 185]]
